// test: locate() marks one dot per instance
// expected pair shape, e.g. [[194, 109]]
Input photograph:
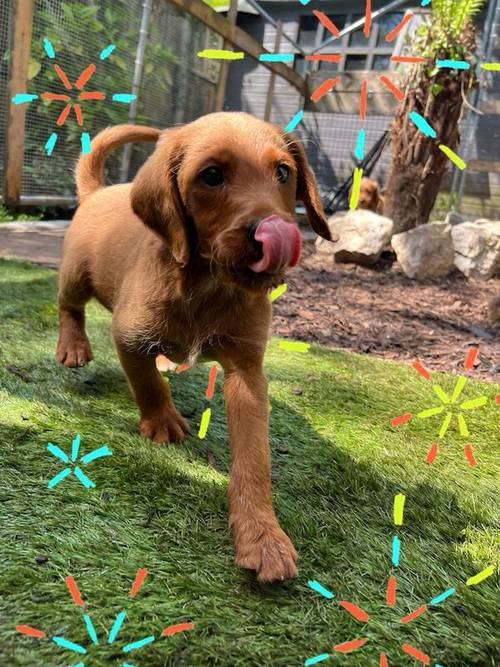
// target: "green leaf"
[[33, 68]]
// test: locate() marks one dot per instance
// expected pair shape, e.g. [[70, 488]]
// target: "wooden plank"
[[238, 38], [220, 91], [16, 114], [484, 166]]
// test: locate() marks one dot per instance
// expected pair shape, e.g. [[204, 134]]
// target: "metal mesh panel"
[[5, 33], [330, 139], [175, 86]]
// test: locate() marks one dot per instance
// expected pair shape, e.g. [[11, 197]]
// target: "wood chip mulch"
[[380, 311]]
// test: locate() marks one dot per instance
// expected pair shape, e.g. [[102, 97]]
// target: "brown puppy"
[[184, 257], [369, 196]]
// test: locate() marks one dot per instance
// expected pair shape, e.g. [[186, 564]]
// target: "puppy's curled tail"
[[89, 169]]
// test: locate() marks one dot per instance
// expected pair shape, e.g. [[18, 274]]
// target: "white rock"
[[426, 251], [359, 236], [477, 248]]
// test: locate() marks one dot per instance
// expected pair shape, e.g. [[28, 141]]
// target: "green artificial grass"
[[337, 464]]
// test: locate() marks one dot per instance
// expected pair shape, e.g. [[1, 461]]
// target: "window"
[[381, 62], [355, 63], [308, 29], [359, 52], [339, 20], [357, 37], [300, 64], [386, 23]]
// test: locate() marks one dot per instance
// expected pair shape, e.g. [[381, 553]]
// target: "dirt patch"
[[380, 311]]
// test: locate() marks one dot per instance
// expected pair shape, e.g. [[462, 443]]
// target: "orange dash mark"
[[407, 59], [63, 115], [211, 382], [418, 655], [390, 596], [28, 630], [96, 95], [390, 36], [78, 112], [139, 578], [179, 627], [383, 660], [398, 94], [354, 610], [414, 614], [324, 88], [469, 455], [368, 18], [182, 368], [63, 77], [85, 76], [470, 359], [431, 455], [497, 399], [362, 100], [74, 592], [328, 57], [329, 24], [420, 369], [401, 419], [345, 647], [55, 96]]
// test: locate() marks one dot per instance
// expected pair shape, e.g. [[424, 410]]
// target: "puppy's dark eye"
[[212, 176], [282, 173]]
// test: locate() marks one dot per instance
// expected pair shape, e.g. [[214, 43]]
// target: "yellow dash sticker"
[[399, 505], [294, 346], [456, 159], [356, 187], [221, 54], [205, 421], [494, 67], [277, 292], [484, 574]]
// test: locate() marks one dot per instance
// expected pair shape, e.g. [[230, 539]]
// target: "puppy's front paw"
[[265, 548], [73, 352], [169, 426]]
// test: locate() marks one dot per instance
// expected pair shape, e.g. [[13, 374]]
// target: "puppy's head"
[[369, 197], [224, 189]]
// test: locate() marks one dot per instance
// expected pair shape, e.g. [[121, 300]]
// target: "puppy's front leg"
[[260, 543], [160, 420]]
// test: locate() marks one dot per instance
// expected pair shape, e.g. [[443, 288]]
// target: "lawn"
[[337, 465]]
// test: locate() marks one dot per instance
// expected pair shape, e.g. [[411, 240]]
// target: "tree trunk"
[[417, 165]]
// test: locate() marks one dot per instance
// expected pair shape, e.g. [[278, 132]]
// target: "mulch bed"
[[380, 311]]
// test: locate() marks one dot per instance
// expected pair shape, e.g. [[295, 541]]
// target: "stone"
[[360, 236], [426, 251], [454, 218], [477, 248]]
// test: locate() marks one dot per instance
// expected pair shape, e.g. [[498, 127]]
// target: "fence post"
[[16, 114], [272, 78], [220, 91], [136, 84]]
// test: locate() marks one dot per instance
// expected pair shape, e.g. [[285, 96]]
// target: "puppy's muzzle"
[[279, 242]]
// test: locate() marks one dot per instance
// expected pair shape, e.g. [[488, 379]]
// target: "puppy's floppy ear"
[[156, 199], [307, 189]]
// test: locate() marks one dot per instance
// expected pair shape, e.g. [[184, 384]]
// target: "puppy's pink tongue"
[[280, 245]]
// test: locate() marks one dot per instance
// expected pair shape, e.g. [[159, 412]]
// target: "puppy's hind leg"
[[73, 347]]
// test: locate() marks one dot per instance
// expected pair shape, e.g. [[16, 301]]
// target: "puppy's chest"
[[183, 337]]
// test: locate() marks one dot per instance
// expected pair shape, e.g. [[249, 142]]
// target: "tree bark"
[[417, 164]]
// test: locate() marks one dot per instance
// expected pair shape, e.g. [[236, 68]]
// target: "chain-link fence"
[[175, 86]]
